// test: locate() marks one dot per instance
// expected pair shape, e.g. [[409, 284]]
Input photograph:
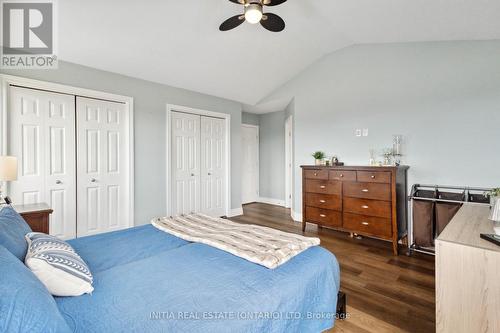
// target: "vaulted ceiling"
[[177, 42]]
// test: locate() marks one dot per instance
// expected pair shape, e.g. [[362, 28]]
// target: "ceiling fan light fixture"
[[253, 13]]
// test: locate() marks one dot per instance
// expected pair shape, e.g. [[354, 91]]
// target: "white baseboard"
[[297, 217], [236, 212], [271, 201]]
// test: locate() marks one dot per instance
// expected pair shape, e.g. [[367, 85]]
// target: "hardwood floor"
[[385, 293]]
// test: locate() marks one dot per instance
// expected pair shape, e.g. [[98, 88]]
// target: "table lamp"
[[8, 171]]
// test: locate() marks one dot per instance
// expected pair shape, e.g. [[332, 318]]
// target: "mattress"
[[148, 281]]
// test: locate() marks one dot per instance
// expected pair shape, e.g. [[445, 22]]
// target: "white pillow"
[[57, 265]]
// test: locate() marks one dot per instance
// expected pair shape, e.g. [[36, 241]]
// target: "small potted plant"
[[494, 195], [318, 157]]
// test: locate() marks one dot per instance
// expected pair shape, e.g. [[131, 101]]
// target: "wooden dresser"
[[370, 201], [467, 271]]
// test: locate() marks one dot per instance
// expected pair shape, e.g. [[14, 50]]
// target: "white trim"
[[258, 157], [271, 201], [168, 171], [235, 212], [7, 80], [289, 163], [297, 217]]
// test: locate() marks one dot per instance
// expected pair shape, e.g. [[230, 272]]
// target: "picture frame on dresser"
[[366, 200]]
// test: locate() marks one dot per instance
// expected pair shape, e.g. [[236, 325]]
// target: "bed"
[[146, 280]]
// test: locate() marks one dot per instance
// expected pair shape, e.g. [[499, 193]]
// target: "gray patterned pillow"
[[57, 265]]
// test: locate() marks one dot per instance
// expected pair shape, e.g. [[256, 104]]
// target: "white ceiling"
[[177, 42]]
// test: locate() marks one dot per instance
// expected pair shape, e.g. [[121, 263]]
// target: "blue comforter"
[[146, 280]]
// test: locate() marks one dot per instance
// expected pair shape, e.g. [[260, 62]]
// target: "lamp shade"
[[8, 168], [495, 210]]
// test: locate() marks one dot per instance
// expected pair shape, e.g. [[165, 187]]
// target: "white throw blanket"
[[264, 246]]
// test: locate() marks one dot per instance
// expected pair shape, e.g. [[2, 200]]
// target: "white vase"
[[495, 214], [318, 162]]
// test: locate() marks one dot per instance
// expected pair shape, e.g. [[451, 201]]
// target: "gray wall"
[[272, 155], [444, 97], [150, 101], [250, 118]]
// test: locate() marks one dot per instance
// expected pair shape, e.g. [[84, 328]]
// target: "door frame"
[[258, 155], [168, 169], [289, 164], [8, 80]]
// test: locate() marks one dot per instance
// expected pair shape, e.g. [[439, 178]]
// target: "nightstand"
[[36, 215]]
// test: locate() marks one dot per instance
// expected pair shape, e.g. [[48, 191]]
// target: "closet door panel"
[[41, 127], [60, 164], [185, 163], [102, 150], [213, 166]]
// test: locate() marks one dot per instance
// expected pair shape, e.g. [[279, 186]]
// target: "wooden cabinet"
[[36, 215], [370, 201]]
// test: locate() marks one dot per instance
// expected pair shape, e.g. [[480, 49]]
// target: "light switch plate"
[[365, 131], [358, 132]]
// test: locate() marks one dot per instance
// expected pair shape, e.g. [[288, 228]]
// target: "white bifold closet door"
[[41, 134], [102, 166], [198, 164], [213, 166], [185, 163]]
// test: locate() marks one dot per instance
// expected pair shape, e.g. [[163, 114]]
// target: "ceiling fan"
[[254, 13]]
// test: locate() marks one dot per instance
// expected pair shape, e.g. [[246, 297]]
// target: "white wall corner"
[[297, 217], [236, 212], [271, 201]]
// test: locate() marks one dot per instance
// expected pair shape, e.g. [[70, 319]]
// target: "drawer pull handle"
[[322, 201], [315, 173], [365, 207], [341, 175], [365, 223], [373, 176], [322, 215], [364, 190], [322, 186]]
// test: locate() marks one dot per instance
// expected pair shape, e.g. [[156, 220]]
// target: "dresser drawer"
[[323, 186], [326, 201], [316, 174], [374, 226], [368, 207], [374, 177], [349, 176], [368, 191], [324, 216]]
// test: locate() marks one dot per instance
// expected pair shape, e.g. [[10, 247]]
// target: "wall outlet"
[[365, 131], [358, 132]]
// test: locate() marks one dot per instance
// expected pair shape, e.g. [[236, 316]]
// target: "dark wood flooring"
[[385, 293]]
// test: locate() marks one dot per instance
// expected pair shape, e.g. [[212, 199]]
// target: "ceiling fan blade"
[[272, 22], [272, 2], [239, 2], [231, 23]]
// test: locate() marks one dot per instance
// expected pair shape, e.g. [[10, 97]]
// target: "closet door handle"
[[93, 180], [192, 175], [58, 182], [209, 174]]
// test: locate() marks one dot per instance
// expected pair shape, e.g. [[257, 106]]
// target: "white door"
[[213, 166], [185, 163], [41, 134], [103, 189], [250, 163]]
